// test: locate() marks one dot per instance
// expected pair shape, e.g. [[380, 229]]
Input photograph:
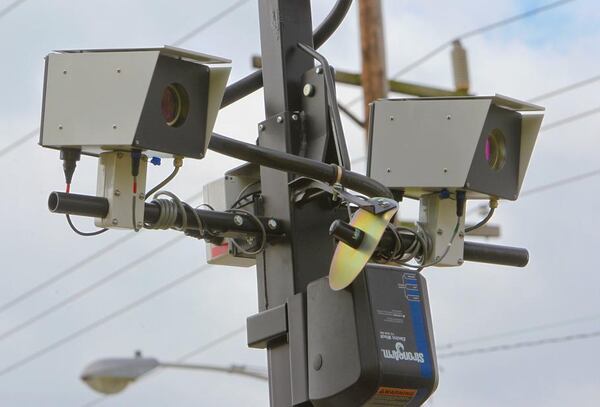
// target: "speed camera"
[[163, 100], [481, 145]]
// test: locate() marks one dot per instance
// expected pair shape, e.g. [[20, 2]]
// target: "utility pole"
[[374, 77]]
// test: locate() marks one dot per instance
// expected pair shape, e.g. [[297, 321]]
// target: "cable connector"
[[178, 161], [461, 199], [69, 156], [493, 203]]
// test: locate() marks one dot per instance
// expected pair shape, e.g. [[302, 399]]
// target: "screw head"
[[65, 72], [118, 70], [279, 119], [238, 220], [117, 192], [142, 196], [388, 170], [114, 126], [308, 90], [261, 127], [391, 118], [272, 224], [139, 224], [460, 261], [448, 117], [319, 70], [440, 232], [461, 235], [115, 221], [294, 116], [445, 170]]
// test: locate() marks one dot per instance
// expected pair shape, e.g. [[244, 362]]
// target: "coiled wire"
[[263, 243]]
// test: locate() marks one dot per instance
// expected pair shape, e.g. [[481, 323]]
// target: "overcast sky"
[[559, 227]]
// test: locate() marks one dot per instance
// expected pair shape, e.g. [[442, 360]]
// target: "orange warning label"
[[391, 396]]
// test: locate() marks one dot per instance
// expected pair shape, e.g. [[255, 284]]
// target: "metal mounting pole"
[[284, 269]]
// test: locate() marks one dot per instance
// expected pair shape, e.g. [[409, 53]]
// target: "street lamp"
[[111, 376]]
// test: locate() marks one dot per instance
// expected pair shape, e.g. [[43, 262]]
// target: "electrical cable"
[[524, 344], [254, 81], [101, 321], [11, 7], [130, 266], [263, 243], [565, 89], [217, 17], [183, 358], [18, 142], [571, 119], [79, 232], [164, 182], [73, 268], [514, 332], [480, 30], [493, 205]]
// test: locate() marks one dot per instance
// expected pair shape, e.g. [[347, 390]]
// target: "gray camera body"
[[481, 145], [161, 100]]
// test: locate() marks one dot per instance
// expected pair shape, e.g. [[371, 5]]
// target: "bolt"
[[279, 119], [460, 261], [137, 142], [272, 224], [294, 116], [64, 72], [139, 224], [437, 258], [261, 127], [238, 220], [319, 70], [440, 232], [115, 221], [308, 90], [118, 70], [448, 117], [60, 127], [142, 196], [445, 170], [119, 155], [391, 118], [389, 170], [117, 192], [114, 126]]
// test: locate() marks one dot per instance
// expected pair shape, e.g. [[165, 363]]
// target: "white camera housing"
[[479, 144], [161, 100]]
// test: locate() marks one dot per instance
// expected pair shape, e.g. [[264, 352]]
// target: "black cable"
[[101, 321], [481, 222], [479, 30], [181, 359], [254, 81], [524, 344], [11, 7], [565, 89], [294, 164], [571, 119], [209, 22], [73, 268], [130, 266], [85, 234]]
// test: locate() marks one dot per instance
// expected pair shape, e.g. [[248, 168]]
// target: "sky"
[[559, 227]]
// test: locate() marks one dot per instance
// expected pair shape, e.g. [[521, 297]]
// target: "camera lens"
[[495, 150], [174, 105]]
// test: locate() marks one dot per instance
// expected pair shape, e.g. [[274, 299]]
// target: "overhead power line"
[[571, 119], [86, 290], [101, 321], [74, 267], [10, 7], [478, 31], [21, 140], [217, 17], [565, 89], [183, 358], [522, 331], [524, 344]]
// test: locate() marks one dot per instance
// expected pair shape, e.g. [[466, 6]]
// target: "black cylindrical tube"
[[254, 81], [75, 204], [346, 233], [473, 251], [295, 164], [495, 254], [223, 223]]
